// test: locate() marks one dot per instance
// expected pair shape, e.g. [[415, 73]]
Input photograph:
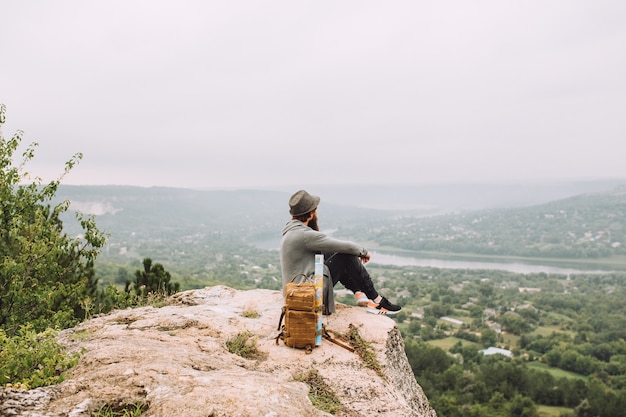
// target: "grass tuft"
[[250, 313], [126, 410], [320, 393], [365, 350], [244, 345]]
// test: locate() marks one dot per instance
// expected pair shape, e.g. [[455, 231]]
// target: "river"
[[381, 258], [518, 267]]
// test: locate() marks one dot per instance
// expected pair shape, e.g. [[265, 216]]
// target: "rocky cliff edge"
[[174, 360]]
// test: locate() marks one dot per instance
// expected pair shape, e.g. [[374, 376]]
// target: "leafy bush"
[[30, 359]]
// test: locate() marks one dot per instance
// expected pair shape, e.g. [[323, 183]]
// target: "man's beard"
[[313, 224]]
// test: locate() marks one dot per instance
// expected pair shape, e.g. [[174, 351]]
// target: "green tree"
[[154, 279], [424, 357], [488, 337], [515, 324], [521, 406], [45, 275]]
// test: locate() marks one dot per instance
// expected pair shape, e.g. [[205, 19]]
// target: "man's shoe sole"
[[385, 312]]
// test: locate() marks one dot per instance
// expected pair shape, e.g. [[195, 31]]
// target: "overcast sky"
[[262, 93]]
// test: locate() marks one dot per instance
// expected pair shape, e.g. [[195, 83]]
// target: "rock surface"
[[174, 359]]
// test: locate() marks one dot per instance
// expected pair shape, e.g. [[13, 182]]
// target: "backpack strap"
[[282, 315], [304, 278], [328, 337]]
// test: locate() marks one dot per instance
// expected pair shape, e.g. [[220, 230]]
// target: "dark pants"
[[349, 270]]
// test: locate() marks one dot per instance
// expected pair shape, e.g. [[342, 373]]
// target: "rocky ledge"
[[174, 360]]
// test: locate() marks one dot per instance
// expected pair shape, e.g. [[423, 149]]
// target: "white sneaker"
[[383, 307]]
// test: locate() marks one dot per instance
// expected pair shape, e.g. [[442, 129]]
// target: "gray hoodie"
[[298, 247]]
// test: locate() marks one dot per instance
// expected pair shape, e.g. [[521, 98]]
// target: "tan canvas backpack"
[[300, 314]]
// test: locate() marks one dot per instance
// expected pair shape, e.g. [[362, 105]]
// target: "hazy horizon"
[[425, 198], [245, 94]]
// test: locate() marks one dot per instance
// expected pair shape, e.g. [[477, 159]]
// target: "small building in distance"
[[496, 351]]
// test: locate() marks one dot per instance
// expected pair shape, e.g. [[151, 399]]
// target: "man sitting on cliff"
[[343, 259]]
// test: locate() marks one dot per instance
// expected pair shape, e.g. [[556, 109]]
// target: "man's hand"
[[365, 258]]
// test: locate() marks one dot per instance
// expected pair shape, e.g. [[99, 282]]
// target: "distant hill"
[[147, 211], [159, 220], [130, 209], [183, 226], [138, 210], [586, 226]]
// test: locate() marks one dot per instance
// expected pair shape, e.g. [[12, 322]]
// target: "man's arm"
[[317, 241]]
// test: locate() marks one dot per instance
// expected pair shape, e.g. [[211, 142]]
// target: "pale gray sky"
[[256, 93]]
